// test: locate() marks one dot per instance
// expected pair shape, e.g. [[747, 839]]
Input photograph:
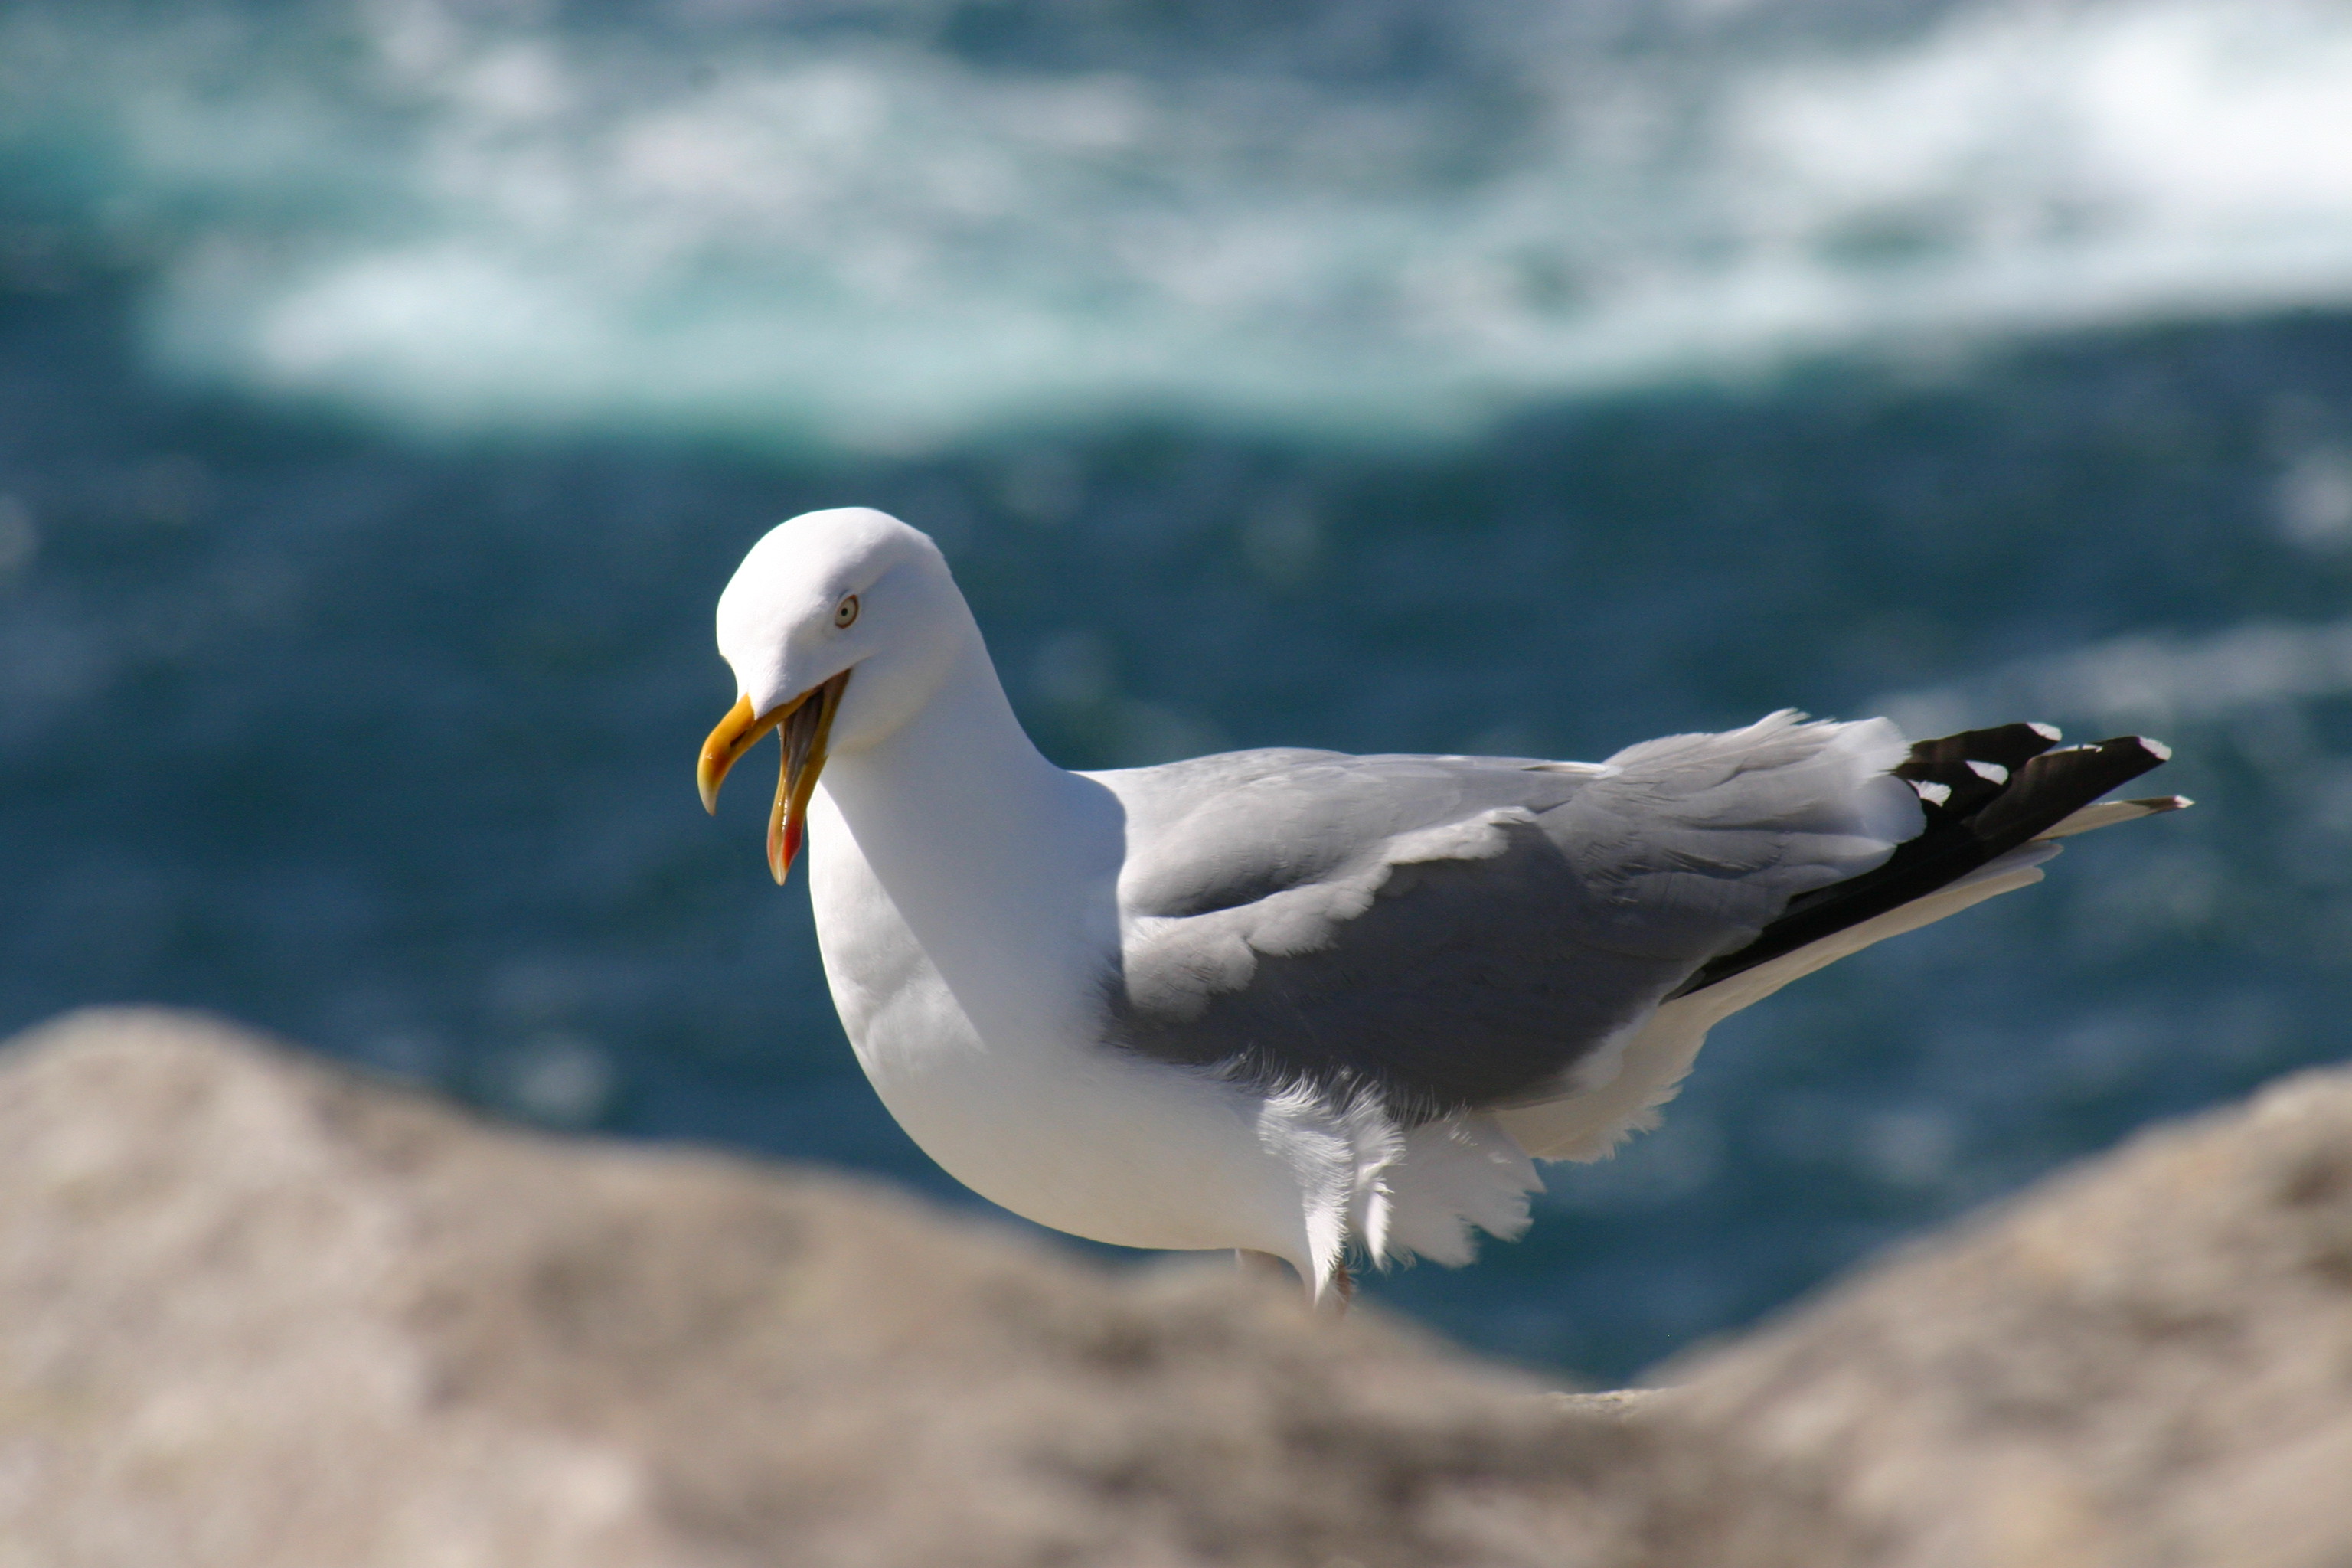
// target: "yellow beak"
[[806, 721]]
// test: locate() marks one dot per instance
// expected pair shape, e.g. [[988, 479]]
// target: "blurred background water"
[[387, 389]]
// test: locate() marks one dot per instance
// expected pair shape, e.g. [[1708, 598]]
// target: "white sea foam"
[[460, 219], [2151, 680]]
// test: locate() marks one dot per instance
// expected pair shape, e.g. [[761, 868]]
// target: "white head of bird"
[[822, 598]]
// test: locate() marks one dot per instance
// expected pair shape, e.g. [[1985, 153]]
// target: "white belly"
[[1051, 1125]]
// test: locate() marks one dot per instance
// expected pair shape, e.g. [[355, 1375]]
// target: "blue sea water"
[[387, 390]]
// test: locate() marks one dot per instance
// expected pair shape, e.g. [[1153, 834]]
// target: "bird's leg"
[[1250, 1262], [1343, 1284]]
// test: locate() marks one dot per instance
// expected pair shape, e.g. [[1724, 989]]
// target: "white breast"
[[1050, 1124]]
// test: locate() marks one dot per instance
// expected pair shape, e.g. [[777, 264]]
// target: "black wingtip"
[[2060, 782], [1984, 793], [1959, 774]]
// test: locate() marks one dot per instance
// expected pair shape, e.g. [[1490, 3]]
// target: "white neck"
[[995, 858]]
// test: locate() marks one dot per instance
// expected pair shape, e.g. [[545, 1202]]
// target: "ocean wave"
[[2147, 678], [460, 218]]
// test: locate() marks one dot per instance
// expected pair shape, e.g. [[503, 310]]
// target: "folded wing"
[[1456, 933]]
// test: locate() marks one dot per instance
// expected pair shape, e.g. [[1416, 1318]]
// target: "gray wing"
[[1463, 931]]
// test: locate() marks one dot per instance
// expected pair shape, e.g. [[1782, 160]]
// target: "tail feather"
[[1984, 793], [2107, 813]]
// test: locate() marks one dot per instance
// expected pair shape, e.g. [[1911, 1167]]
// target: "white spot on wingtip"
[[2047, 732], [1991, 773], [2156, 749], [1933, 794]]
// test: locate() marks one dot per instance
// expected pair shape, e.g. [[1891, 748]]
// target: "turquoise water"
[[383, 402]]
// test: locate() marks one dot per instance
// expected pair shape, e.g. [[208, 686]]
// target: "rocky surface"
[[259, 1312], [255, 1311], [2145, 1362]]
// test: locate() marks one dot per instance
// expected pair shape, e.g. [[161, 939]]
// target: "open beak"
[[806, 721]]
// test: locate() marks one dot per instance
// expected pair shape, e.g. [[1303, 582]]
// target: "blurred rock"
[[259, 1311], [2146, 1361], [256, 1311]]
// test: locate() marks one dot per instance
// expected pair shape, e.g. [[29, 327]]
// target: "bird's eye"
[[845, 612]]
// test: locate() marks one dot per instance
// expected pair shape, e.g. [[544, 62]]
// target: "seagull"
[[1299, 1004]]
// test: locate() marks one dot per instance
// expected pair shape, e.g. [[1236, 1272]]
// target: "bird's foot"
[[1342, 1292]]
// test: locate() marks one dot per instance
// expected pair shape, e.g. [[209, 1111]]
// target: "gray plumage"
[[1462, 933]]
